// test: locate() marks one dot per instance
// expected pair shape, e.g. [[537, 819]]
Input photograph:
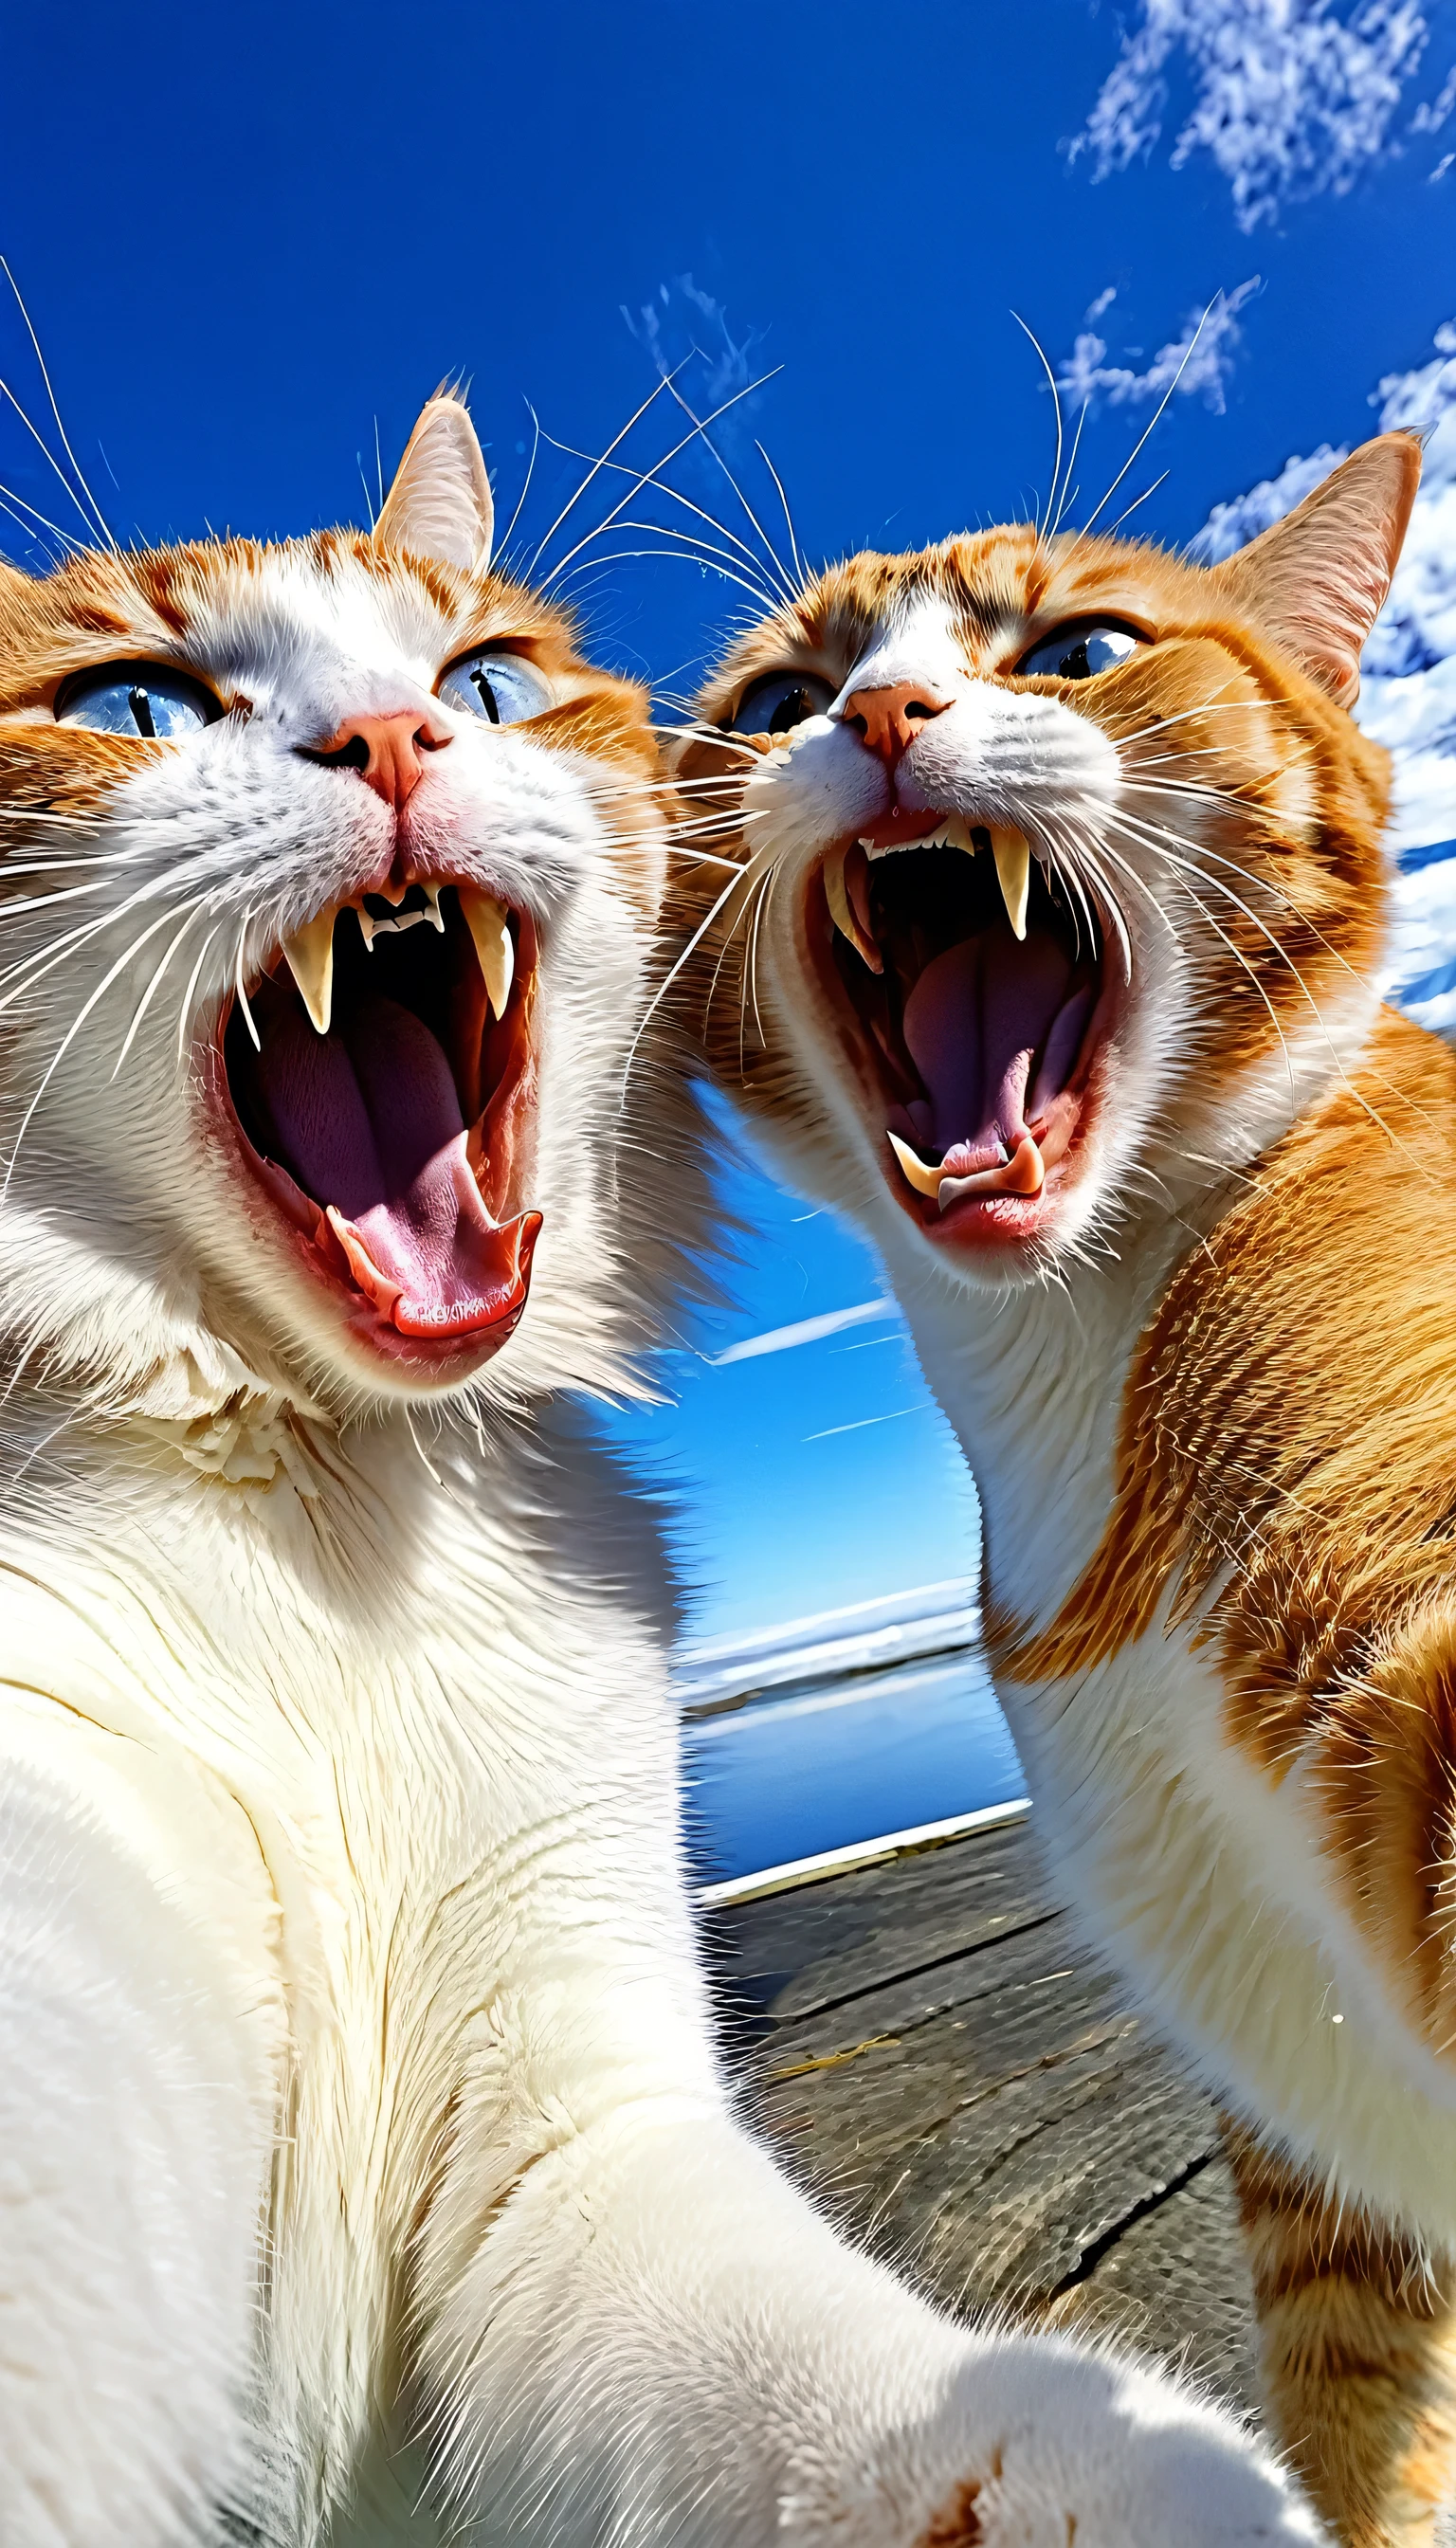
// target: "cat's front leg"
[[638, 2330], [1357, 2332]]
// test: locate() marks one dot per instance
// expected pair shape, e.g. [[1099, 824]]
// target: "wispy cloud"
[[1418, 627], [1232, 525], [684, 324], [804, 1332], [860, 1421], [1291, 98], [1197, 363]]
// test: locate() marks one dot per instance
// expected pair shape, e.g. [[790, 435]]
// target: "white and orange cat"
[[1063, 902], [367, 2172]]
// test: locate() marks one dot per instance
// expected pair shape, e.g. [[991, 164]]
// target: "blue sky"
[[250, 240]]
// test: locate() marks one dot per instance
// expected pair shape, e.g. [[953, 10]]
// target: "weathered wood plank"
[[933, 2052], [806, 1949]]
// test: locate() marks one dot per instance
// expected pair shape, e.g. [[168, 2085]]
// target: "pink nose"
[[386, 751], [889, 721]]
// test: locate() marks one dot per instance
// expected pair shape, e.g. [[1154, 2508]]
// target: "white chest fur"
[[351, 1731]]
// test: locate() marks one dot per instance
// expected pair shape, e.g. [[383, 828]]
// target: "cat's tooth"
[[1024, 1173], [367, 928], [432, 912], [947, 831], [842, 912], [486, 920], [894, 849], [310, 954], [926, 1181], [1012, 853]]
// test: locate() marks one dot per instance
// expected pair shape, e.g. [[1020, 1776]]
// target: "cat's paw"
[[1070, 2445], [1037, 2443]]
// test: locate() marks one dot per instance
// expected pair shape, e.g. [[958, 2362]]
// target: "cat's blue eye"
[[779, 701], [152, 701], [1075, 653], [500, 688]]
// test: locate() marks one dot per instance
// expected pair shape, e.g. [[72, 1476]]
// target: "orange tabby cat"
[[1063, 884]]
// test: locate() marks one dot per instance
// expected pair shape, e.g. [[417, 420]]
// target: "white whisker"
[[1150, 426], [185, 1011], [694, 942], [100, 518], [799, 568], [615, 445], [1034, 341], [145, 1000], [647, 477], [642, 477], [241, 985], [71, 1033], [504, 545], [1068, 492], [777, 565]]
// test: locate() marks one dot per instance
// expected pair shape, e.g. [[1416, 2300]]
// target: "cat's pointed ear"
[[1316, 579], [440, 506]]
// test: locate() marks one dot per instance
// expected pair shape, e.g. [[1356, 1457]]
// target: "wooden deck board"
[[931, 2049]]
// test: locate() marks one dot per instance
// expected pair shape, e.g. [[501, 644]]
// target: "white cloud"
[[1232, 525], [1198, 362], [1290, 98], [1433, 113], [1409, 697], [804, 1332]]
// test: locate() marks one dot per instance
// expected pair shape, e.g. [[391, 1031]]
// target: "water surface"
[[844, 1758]]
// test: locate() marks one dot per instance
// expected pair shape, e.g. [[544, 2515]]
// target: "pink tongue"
[[972, 1025], [369, 1120]]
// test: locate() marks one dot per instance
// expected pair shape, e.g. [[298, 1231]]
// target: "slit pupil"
[[485, 695], [140, 706], [791, 711]]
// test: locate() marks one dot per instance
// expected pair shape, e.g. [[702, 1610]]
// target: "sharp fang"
[[432, 911], [842, 912], [486, 920], [955, 833], [1013, 858], [1024, 1173], [926, 1181], [310, 954], [367, 928]]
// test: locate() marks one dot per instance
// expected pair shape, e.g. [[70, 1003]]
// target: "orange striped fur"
[[1357, 2329]]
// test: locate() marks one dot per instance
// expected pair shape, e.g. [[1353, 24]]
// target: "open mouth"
[[976, 983], [380, 1075]]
